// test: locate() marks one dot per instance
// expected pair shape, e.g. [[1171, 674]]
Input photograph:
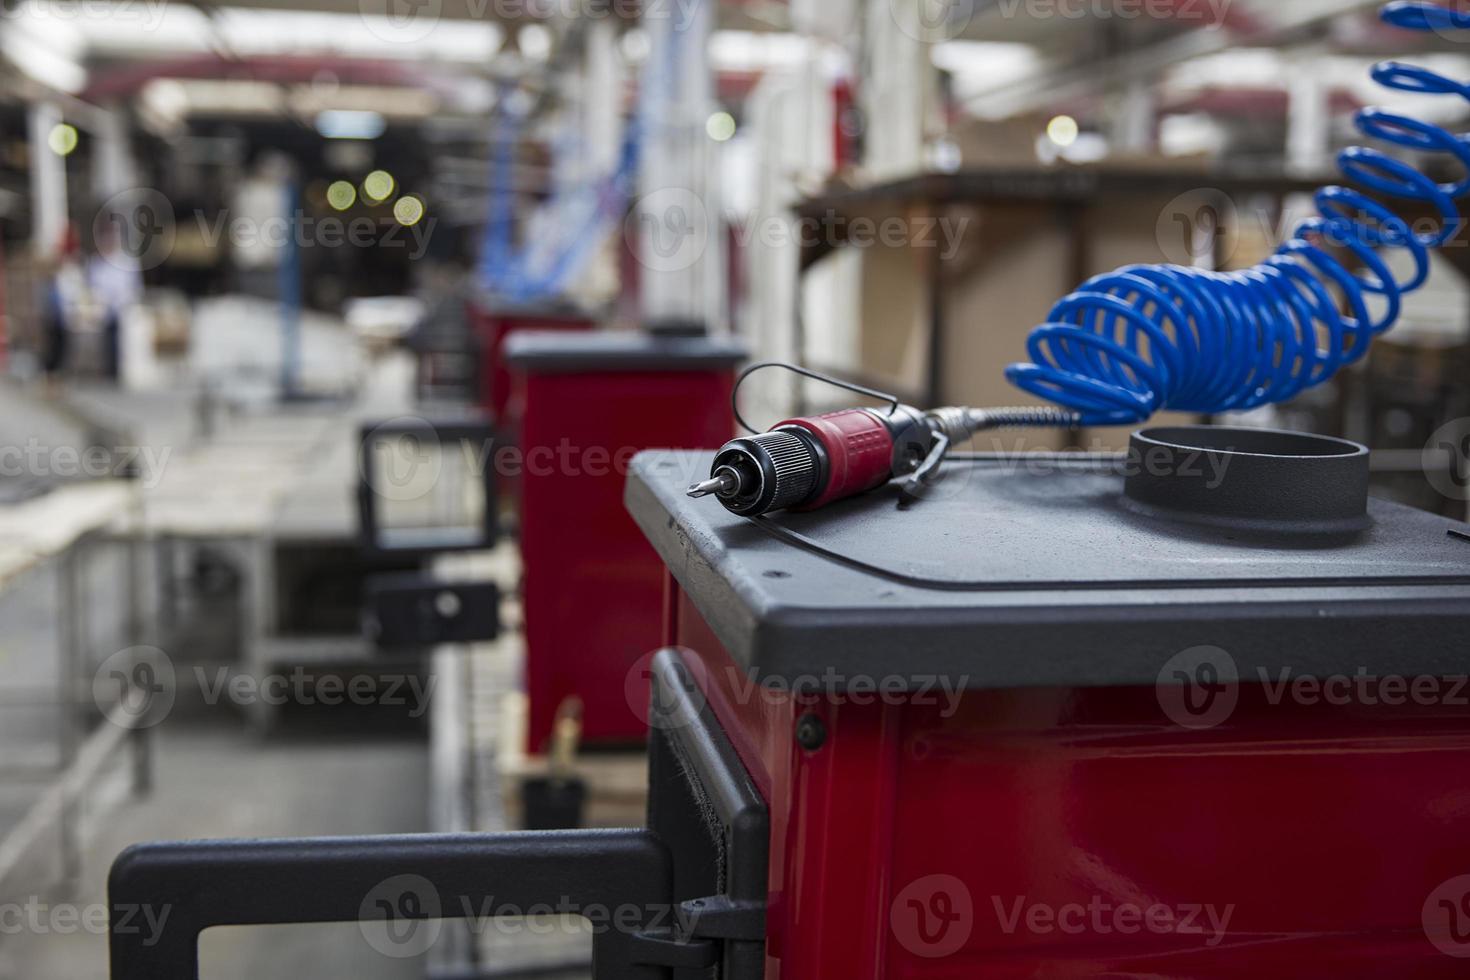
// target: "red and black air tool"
[[806, 463]]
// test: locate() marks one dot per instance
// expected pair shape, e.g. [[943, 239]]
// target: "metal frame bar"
[[83, 754], [205, 884]]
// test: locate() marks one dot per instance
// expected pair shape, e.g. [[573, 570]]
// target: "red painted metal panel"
[[593, 585], [1080, 833], [758, 723], [492, 327]]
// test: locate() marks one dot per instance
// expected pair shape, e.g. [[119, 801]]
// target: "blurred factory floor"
[[348, 771], [213, 779]]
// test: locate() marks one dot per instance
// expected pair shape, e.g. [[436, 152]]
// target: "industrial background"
[[365, 368]]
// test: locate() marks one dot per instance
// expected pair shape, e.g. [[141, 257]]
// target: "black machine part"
[[375, 487], [1255, 477], [1041, 571], [702, 802], [768, 471], [218, 883], [417, 610], [696, 878]]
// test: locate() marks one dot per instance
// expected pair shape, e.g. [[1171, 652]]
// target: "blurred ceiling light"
[[378, 186], [978, 66], [1236, 68], [991, 59], [1192, 134], [534, 41], [760, 50], [179, 97], [720, 126], [62, 139], [944, 156], [166, 98], [47, 51], [348, 112], [1088, 148], [350, 124], [1063, 131], [635, 45], [170, 28], [341, 195], [388, 101], [408, 210]]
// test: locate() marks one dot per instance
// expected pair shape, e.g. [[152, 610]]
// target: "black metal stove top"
[[1040, 572]]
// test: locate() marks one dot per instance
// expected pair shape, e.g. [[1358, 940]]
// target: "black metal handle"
[[620, 879]]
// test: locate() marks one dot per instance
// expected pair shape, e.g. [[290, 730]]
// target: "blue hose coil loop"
[[1151, 337]]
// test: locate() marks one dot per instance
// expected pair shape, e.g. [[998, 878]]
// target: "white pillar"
[[681, 230], [895, 92], [1133, 128], [1308, 136], [112, 158], [603, 99], [1308, 120], [602, 130], [48, 180]]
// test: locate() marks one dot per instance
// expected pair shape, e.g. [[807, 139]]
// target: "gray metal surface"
[[1040, 573], [617, 350]]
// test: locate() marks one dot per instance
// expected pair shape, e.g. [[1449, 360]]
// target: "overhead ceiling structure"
[[1096, 50], [54, 45], [1231, 59], [107, 54]]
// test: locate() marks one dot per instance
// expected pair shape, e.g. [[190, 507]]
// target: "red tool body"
[[809, 462], [859, 451], [805, 463]]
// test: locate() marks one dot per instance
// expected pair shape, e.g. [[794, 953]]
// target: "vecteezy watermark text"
[[138, 687], [1100, 916], [36, 917], [305, 231], [148, 13], [1446, 917], [146, 463], [401, 916], [668, 709], [1210, 12], [834, 687], [669, 230], [301, 687], [1199, 688], [143, 224]]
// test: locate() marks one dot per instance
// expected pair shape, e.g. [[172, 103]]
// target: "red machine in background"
[[492, 323], [593, 586]]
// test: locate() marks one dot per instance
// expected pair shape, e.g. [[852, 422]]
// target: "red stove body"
[[1017, 731], [593, 586], [493, 324]]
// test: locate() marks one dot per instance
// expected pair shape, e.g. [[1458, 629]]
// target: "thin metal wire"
[[892, 400]]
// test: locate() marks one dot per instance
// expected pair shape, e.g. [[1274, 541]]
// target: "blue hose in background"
[[1151, 337]]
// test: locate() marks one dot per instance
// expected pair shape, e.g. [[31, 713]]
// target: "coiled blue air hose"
[[1150, 337]]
